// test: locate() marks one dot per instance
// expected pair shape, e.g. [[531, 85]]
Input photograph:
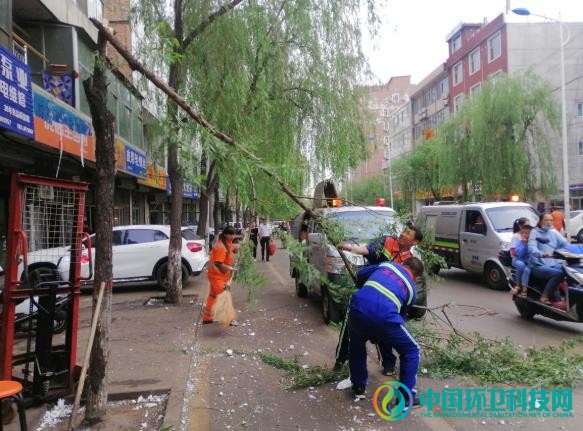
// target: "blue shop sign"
[[136, 162], [16, 113], [188, 190]]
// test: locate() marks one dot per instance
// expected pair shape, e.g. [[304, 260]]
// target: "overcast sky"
[[411, 40]]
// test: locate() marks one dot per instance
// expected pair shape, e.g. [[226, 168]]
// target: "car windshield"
[[575, 213], [503, 218], [190, 235], [362, 226]]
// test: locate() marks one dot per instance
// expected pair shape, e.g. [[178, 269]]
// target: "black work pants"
[[265, 247]]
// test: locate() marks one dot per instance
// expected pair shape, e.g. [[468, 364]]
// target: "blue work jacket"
[[386, 294]]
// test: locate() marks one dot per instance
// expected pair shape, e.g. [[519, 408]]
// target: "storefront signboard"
[[156, 177], [58, 125], [135, 162], [15, 95]]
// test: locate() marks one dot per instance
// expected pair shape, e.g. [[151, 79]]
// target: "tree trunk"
[[103, 121], [217, 210], [174, 285]]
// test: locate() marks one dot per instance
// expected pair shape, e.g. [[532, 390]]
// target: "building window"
[[386, 140], [95, 9], [581, 148], [494, 47], [474, 61], [456, 42], [579, 109], [475, 89], [385, 126], [457, 102], [385, 112], [494, 76], [395, 97], [458, 73], [443, 86]]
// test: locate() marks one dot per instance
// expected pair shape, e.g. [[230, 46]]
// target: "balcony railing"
[[21, 49]]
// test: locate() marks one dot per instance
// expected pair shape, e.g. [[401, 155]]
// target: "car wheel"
[[524, 308], [495, 276], [580, 236], [59, 326], [162, 276], [301, 288], [330, 311]]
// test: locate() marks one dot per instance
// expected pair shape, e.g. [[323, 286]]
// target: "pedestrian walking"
[[558, 220], [388, 249], [265, 231], [221, 266], [377, 313], [253, 236]]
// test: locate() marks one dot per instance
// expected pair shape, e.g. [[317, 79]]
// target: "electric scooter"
[[570, 308]]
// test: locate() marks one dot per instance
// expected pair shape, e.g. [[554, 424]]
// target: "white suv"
[[139, 252]]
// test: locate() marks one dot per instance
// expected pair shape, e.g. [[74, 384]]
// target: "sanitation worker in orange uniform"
[[220, 269]]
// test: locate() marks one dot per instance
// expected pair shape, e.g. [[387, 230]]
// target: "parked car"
[[470, 236], [361, 225], [139, 252], [575, 226]]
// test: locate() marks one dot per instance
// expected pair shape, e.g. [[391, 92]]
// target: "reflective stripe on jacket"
[[386, 294]]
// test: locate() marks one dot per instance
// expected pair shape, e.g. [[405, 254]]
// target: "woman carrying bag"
[[221, 266]]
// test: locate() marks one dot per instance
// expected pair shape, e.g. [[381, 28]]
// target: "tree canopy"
[[499, 139], [280, 76]]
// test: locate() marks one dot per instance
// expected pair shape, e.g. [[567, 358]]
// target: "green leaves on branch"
[[303, 376], [495, 361], [246, 274]]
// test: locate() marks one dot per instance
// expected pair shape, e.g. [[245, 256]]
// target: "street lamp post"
[[526, 12]]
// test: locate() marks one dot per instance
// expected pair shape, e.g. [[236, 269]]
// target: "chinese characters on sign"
[[15, 95], [496, 402], [136, 163]]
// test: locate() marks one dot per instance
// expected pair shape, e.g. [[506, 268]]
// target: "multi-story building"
[[383, 101], [47, 49], [478, 52], [430, 104]]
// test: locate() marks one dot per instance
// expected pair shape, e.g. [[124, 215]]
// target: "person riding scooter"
[[542, 243]]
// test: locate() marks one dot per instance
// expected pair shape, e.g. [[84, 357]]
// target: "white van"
[[470, 236]]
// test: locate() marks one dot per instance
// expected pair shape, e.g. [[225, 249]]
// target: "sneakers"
[[234, 323], [358, 391], [416, 401], [388, 371]]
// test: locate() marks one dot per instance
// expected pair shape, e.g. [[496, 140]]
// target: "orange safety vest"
[[221, 254], [392, 253]]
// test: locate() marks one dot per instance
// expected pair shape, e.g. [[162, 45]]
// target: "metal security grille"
[[48, 218], [43, 272]]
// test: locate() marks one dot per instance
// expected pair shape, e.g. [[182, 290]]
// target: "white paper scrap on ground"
[[344, 384]]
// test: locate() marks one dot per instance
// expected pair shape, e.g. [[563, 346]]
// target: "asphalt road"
[[471, 298]]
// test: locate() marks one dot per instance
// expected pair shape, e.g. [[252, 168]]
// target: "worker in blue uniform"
[[377, 313]]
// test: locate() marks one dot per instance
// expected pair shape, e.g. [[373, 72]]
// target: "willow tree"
[[278, 75], [501, 138], [419, 170]]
